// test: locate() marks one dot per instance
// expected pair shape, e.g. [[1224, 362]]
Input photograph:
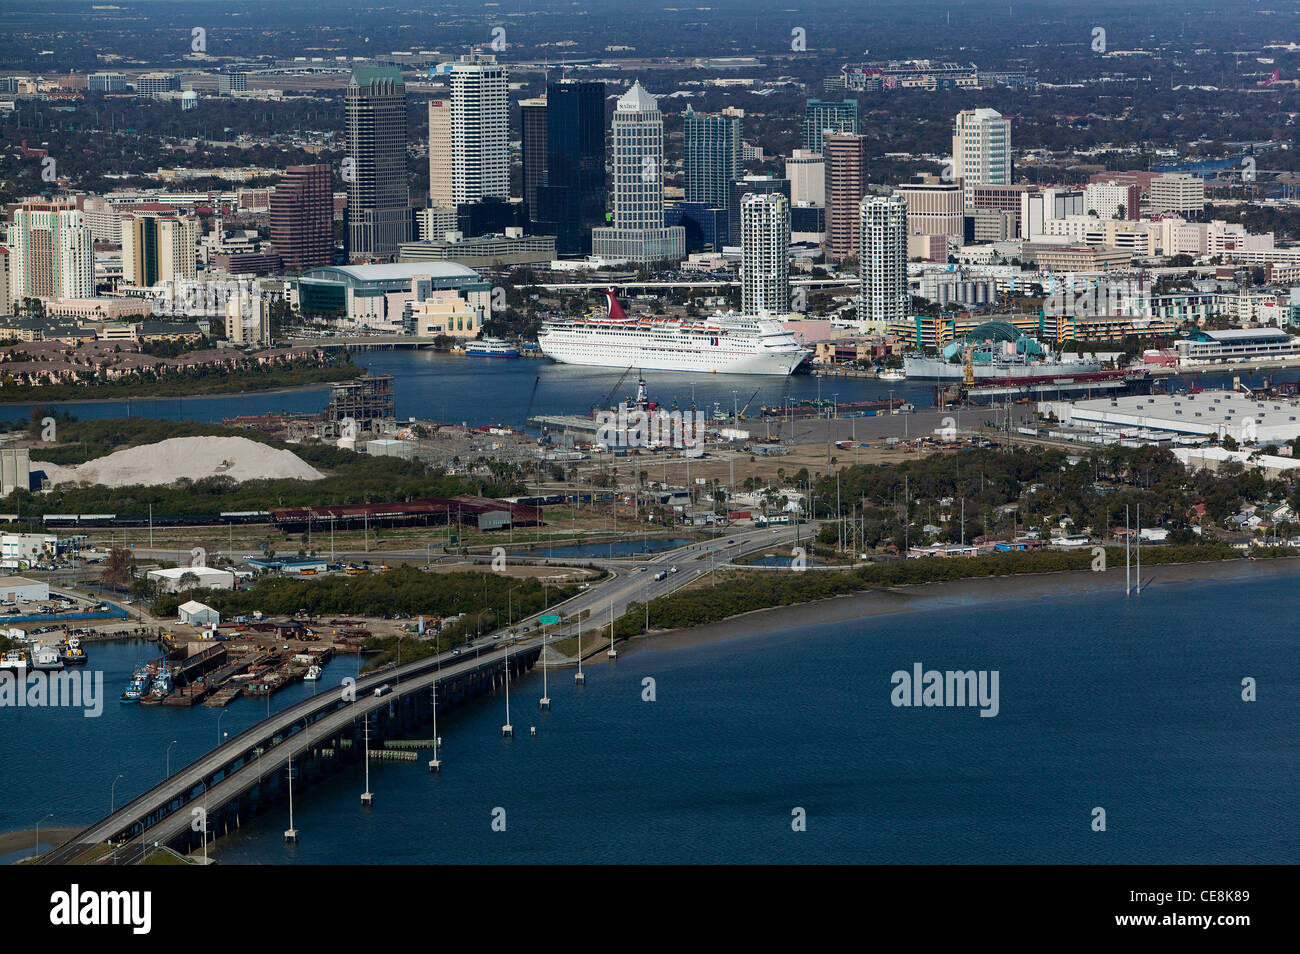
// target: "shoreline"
[[917, 597], [11, 841], [293, 389]]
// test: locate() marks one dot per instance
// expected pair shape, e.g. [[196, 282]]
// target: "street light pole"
[[38, 830], [168, 758]]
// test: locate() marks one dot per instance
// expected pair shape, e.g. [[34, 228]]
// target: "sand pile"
[[192, 457]]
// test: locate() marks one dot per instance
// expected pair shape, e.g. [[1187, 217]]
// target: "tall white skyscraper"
[[639, 234], [981, 150], [765, 254], [480, 116], [882, 285], [51, 252]]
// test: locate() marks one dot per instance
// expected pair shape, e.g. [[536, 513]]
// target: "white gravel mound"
[[194, 457]]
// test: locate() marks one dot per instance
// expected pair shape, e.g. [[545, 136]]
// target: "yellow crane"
[[968, 368]]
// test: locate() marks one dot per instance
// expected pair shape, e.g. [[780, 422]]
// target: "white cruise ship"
[[723, 344]]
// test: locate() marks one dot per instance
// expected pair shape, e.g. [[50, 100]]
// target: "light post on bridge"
[[38, 830], [168, 759], [112, 794]]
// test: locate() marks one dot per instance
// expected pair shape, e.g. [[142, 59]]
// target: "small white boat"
[[313, 673], [891, 374]]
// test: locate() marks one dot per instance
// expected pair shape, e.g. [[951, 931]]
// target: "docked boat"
[[162, 685], [14, 659], [723, 344], [892, 374], [141, 682], [492, 348], [71, 653], [313, 673], [46, 658]]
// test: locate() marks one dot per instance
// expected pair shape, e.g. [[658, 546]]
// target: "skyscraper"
[[440, 153], [759, 185], [981, 150], [711, 157], [158, 246], [807, 174], [820, 115], [378, 217], [765, 254], [934, 207], [846, 184], [480, 113], [302, 217], [571, 200], [532, 143], [882, 283], [639, 233], [51, 252]]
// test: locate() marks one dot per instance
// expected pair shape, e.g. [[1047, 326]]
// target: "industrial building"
[[1212, 415], [197, 614], [15, 588], [435, 511], [363, 401], [172, 580]]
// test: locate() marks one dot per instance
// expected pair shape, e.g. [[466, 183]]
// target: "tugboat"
[[14, 659], [71, 653], [140, 682], [313, 673], [162, 687]]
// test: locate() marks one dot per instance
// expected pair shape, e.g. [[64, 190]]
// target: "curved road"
[[312, 720]]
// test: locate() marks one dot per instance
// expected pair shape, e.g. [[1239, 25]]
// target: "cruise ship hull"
[[932, 369], [650, 357]]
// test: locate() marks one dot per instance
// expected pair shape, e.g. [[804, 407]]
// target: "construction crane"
[[617, 384], [968, 368], [741, 415], [529, 409]]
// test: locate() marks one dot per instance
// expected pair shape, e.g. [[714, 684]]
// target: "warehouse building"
[[1212, 415], [174, 579], [198, 614], [16, 588]]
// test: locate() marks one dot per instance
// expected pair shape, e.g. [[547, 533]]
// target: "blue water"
[[456, 389], [1134, 706], [57, 760], [612, 549]]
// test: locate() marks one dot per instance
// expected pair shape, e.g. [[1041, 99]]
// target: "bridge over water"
[[247, 774]]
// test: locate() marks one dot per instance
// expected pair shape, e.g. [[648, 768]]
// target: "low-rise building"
[[177, 579]]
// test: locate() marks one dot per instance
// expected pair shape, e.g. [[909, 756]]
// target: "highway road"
[[312, 720]]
